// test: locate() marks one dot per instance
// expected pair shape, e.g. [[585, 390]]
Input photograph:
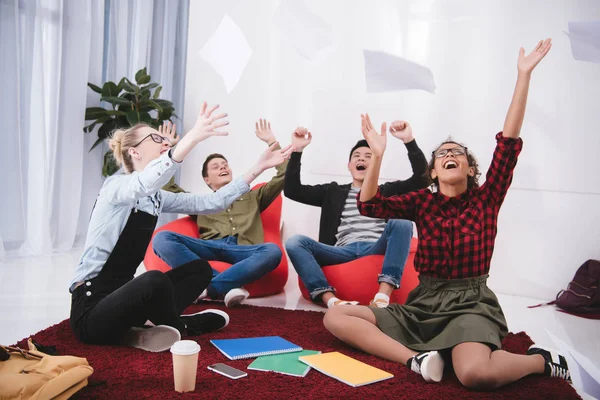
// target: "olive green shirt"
[[242, 218]]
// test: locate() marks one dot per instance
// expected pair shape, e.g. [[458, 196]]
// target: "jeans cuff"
[[389, 279], [319, 291]]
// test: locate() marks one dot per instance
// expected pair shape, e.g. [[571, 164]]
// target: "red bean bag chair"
[[357, 280], [270, 284]]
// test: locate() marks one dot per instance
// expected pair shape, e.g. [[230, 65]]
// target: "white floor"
[[34, 295]]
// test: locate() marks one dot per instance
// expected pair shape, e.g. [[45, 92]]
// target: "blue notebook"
[[235, 349]]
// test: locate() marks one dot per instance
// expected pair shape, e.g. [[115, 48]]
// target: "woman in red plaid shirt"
[[452, 313]]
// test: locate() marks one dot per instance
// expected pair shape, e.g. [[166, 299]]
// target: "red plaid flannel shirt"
[[456, 234]]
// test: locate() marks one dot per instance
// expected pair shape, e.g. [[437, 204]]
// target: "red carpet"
[[131, 373]]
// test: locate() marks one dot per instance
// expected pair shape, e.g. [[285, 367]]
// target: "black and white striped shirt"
[[355, 227]]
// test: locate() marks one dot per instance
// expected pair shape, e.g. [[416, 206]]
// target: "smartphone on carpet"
[[228, 371]]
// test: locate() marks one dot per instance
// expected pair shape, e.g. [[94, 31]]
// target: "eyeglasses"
[[155, 137], [457, 151]]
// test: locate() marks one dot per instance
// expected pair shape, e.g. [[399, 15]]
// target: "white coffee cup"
[[185, 364]]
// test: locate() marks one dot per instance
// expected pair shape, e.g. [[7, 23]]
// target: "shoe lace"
[[558, 371], [415, 365]]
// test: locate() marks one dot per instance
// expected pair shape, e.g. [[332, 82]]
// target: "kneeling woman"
[[109, 305], [452, 310]]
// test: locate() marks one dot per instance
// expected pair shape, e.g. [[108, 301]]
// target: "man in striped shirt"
[[344, 234]]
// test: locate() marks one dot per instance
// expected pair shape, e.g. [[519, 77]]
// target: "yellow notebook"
[[345, 369]]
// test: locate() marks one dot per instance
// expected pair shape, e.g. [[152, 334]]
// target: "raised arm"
[[128, 188], [293, 188], [370, 200], [205, 126], [190, 203], [402, 130], [525, 65], [377, 143], [269, 192]]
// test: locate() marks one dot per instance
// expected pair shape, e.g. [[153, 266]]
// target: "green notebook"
[[286, 363]]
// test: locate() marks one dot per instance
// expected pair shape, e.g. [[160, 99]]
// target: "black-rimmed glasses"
[[457, 151], [155, 137]]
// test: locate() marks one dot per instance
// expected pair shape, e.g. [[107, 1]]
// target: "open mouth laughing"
[[450, 164]]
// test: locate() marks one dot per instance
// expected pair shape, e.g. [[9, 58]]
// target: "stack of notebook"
[[279, 355]]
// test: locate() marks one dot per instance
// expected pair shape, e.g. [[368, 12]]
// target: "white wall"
[[550, 222]]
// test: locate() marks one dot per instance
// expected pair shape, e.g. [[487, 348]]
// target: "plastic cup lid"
[[185, 347]]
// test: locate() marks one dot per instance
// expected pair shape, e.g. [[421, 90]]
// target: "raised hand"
[[301, 138], [401, 130], [207, 123], [271, 158], [264, 132], [169, 130], [527, 63], [377, 142]]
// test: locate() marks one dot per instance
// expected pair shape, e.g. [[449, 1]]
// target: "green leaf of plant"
[[150, 86], [140, 73], [116, 100], [116, 113], [143, 80], [91, 126], [152, 104], [135, 117], [157, 92], [120, 84], [130, 87], [96, 143], [110, 89], [95, 113], [110, 166], [164, 103], [105, 130], [95, 88]]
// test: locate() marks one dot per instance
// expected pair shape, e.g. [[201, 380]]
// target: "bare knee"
[[477, 377], [334, 318]]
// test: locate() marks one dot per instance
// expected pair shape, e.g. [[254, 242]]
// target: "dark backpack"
[[582, 295]]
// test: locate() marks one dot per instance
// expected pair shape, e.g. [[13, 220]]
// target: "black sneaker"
[[206, 321], [556, 364], [429, 364]]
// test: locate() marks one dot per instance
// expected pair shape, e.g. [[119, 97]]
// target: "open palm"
[[528, 62], [377, 142], [271, 158], [263, 131], [169, 130]]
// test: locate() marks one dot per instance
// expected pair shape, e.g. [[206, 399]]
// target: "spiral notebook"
[[235, 349], [287, 363]]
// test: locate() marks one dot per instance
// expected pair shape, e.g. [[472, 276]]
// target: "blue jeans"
[[308, 256], [249, 262]]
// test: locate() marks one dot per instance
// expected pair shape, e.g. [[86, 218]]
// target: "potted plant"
[[130, 104]]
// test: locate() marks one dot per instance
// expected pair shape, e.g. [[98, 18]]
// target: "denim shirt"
[[141, 191]]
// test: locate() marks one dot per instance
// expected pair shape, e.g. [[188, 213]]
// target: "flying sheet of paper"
[[306, 32], [228, 52], [387, 73], [584, 374], [585, 40]]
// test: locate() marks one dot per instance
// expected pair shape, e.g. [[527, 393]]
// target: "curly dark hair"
[[472, 181]]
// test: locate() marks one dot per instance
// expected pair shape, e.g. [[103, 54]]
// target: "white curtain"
[[50, 50], [46, 46]]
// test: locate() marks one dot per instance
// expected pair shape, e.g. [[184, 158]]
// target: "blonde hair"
[[121, 140]]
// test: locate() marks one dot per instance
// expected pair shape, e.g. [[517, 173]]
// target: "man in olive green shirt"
[[234, 235]]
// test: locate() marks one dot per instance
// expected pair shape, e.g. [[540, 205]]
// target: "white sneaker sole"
[[155, 339], [213, 311], [236, 299], [432, 368]]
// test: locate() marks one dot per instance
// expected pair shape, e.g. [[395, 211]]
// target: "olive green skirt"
[[440, 313]]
